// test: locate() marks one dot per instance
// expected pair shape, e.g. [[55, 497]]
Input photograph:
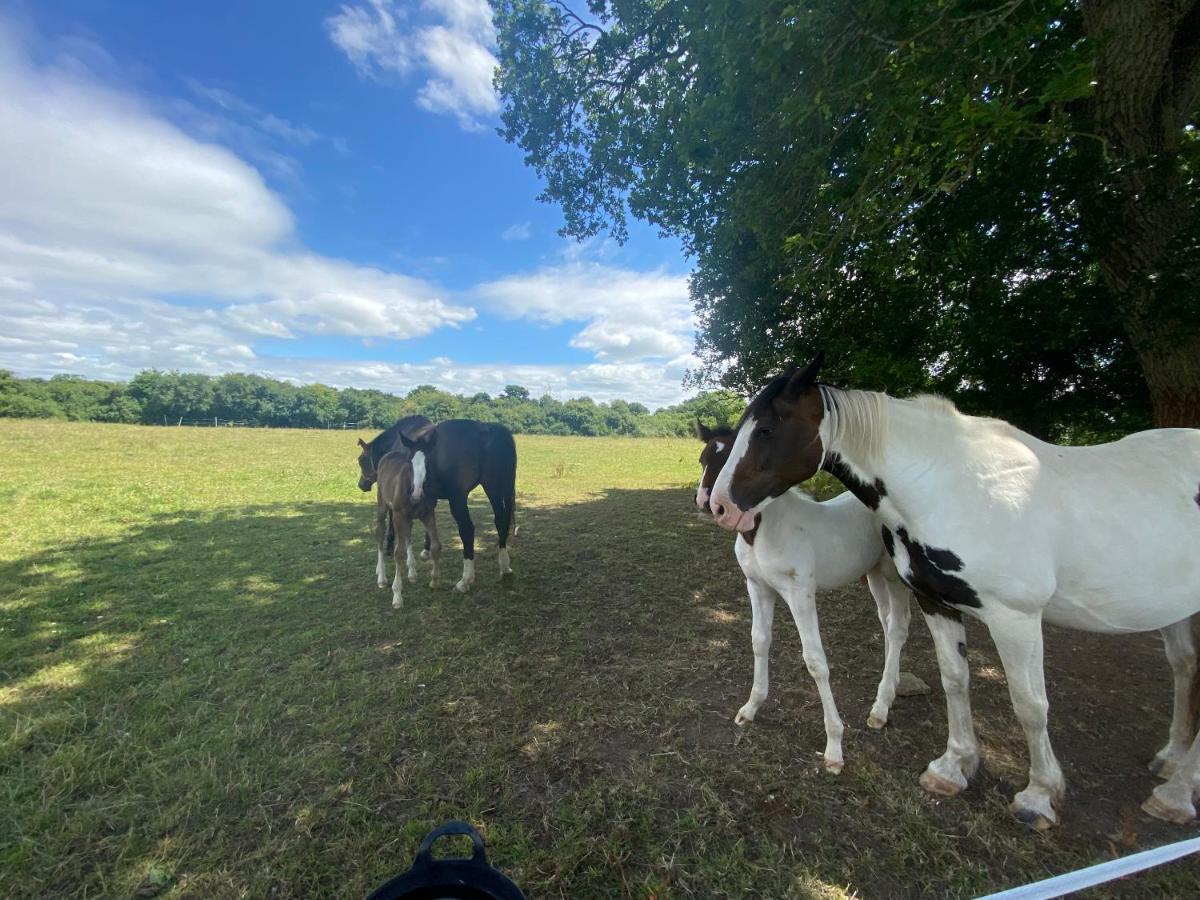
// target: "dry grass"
[[203, 694]]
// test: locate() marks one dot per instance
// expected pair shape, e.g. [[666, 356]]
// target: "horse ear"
[[703, 432], [362, 443], [804, 378]]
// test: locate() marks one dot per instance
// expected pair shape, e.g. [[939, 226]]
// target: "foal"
[[400, 500], [799, 546]]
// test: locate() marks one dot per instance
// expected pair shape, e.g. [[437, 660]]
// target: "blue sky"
[[309, 190]]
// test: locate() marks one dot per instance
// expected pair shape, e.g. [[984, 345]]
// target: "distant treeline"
[[171, 398]]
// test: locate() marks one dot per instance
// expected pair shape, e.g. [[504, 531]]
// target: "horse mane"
[[389, 439], [856, 421]]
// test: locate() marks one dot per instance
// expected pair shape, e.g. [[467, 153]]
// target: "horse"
[[369, 456], [985, 519], [454, 457], [797, 547], [400, 500]]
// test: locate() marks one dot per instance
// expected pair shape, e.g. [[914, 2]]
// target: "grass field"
[[203, 694]]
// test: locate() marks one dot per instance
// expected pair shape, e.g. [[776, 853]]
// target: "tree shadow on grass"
[[222, 703]]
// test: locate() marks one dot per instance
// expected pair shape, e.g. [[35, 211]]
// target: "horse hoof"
[[381, 583], [397, 604], [425, 554], [938, 786], [743, 718], [1178, 815], [461, 588], [834, 766], [874, 721], [1034, 820], [1163, 766]]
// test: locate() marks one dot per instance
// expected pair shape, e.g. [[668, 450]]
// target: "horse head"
[[776, 445], [717, 444]]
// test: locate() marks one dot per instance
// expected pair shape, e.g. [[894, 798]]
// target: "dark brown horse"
[[457, 456]]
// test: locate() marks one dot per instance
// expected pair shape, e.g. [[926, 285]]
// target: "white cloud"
[[109, 201], [127, 243], [630, 315], [370, 38], [521, 231], [452, 47]]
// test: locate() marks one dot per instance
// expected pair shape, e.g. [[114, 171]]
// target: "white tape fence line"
[[1100, 873]]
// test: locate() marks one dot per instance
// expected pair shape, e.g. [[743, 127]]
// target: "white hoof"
[[834, 766], [935, 784], [462, 586], [1034, 809], [424, 554], [397, 602], [382, 582], [876, 721], [412, 577], [1169, 809]]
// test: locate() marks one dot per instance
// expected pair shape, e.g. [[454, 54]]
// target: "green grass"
[[203, 694]]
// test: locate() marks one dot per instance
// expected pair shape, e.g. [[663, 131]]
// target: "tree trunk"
[[1142, 206]]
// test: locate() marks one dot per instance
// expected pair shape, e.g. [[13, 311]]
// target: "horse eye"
[[766, 431]]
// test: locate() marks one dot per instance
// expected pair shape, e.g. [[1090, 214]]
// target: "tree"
[[991, 198]]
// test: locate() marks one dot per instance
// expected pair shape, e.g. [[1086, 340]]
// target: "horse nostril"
[[719, 509], [707, 507]]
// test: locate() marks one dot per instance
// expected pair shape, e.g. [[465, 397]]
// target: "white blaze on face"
[[418, 467], [732, 516], [701, 491], [720, 492]]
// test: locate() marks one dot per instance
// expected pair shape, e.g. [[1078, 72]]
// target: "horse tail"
[[391, 533], [508, 463]]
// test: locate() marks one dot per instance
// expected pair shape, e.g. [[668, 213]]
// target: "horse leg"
[[949, 773], [403, 539], [894, 614], [434, 544], [383, 531], [1018, 639], [502, 504], [411, 559], [802, 600], [1173, 800], [762, 614], [1180, 644], [425, 552], [466, 531]]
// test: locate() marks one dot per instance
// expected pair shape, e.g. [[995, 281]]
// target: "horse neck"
[[886, 446]]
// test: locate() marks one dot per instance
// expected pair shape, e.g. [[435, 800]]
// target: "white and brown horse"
[[369, 456], [797, 547], [985, 519], [454, 457], [399, 503]]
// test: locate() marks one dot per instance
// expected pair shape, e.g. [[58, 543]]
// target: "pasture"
[[203, 693]]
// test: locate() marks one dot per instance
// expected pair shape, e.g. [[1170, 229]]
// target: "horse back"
[[469, 453]]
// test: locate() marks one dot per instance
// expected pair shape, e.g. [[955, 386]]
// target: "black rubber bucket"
[[450, 879]]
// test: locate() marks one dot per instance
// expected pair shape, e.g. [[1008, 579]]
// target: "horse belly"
[[1128, 594]]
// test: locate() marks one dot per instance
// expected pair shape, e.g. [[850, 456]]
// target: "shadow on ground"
[[223, 704]]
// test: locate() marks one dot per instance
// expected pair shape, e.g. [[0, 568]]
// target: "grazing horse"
[[450, 460], [797, 547], [399, 501], [985, 519]]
